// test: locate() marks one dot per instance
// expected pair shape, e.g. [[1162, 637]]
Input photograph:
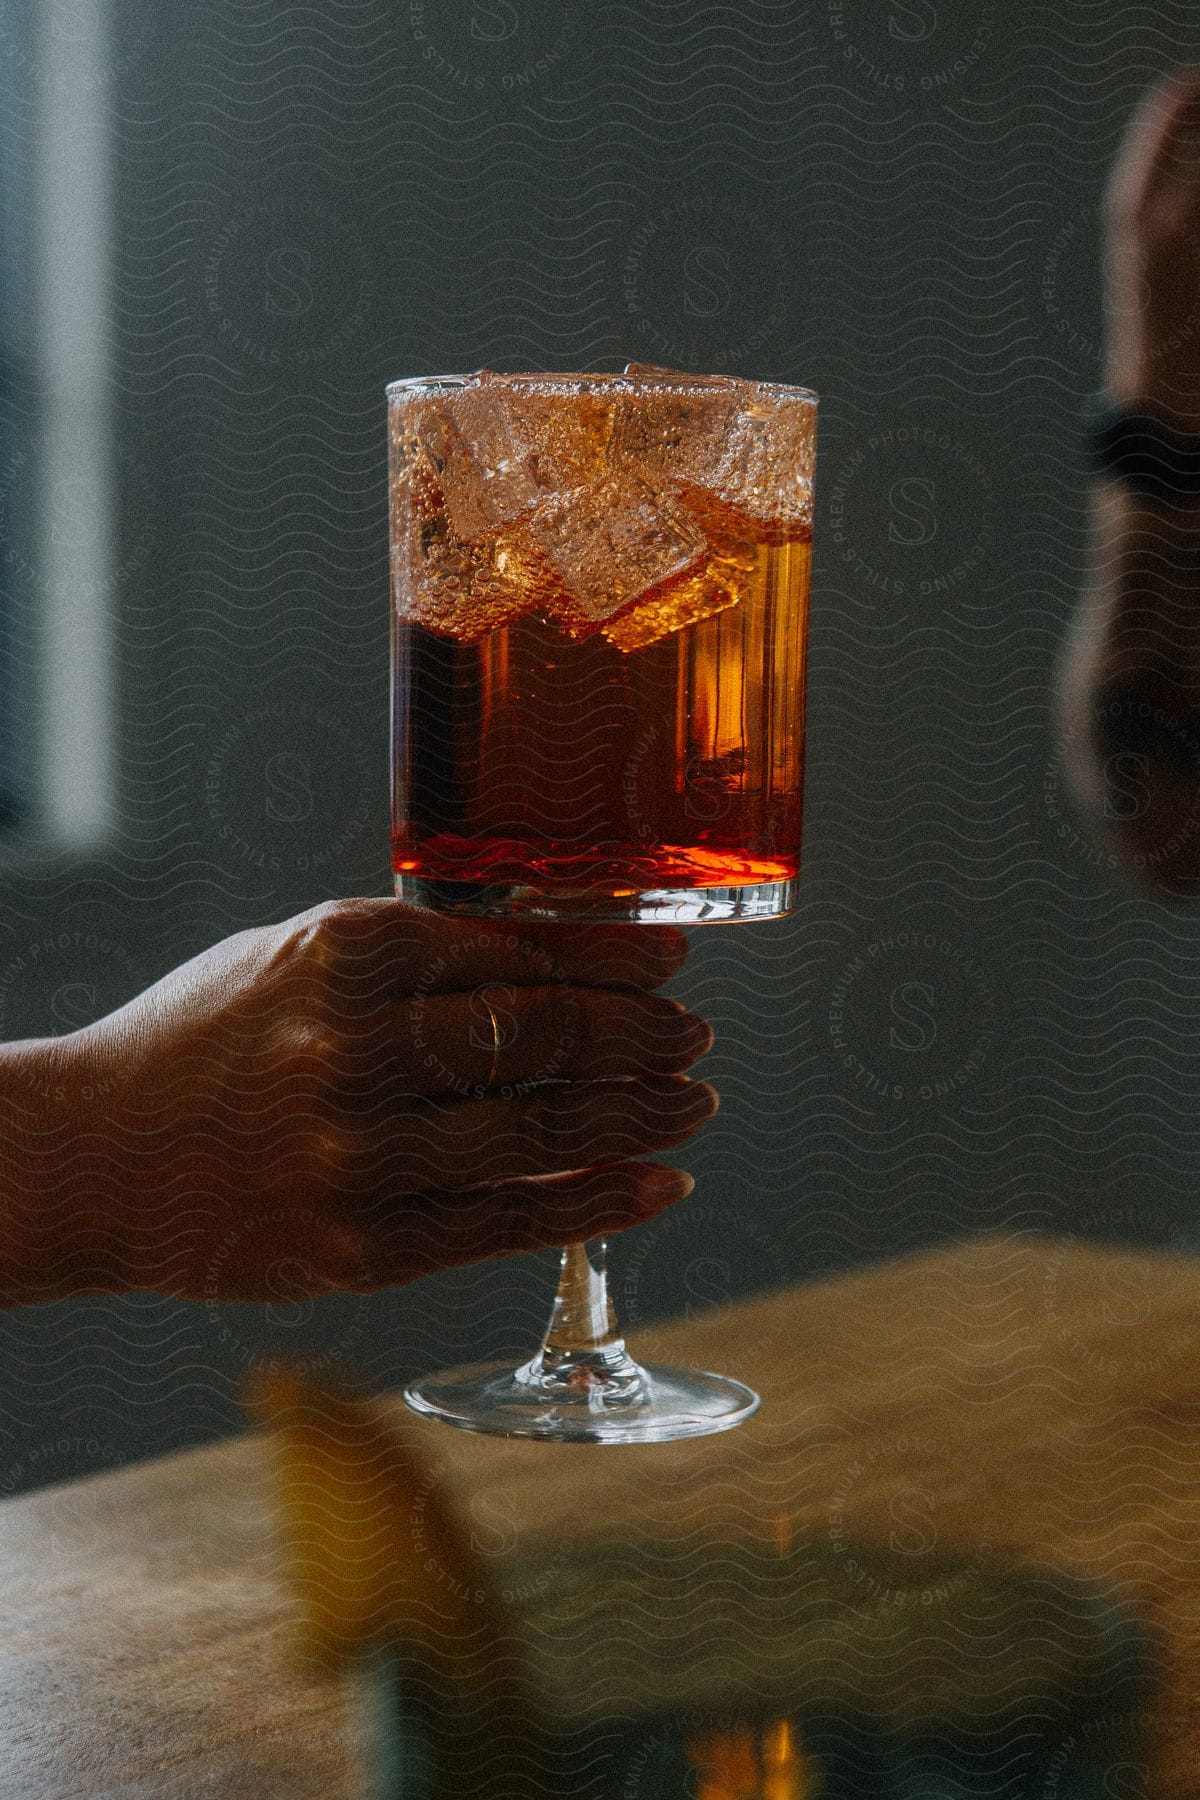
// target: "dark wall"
[[969, 1025]]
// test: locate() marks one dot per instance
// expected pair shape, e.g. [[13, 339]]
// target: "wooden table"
[[1033, 1397]]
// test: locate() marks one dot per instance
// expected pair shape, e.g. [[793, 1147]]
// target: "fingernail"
[[663, 1187], [695, 1035], [698, 1101]]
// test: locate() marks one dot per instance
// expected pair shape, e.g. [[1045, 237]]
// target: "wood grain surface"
[[1026, 1398]]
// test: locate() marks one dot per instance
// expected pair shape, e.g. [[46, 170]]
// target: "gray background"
[[969, 1025]]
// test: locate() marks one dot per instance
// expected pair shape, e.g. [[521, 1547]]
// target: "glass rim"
[[673, 379]]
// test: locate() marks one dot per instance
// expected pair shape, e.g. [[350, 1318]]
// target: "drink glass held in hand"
[[600, 605]]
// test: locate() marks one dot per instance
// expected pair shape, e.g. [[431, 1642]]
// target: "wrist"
[[1147, 543], [1156, 518], [1141, 452], [1139, 384]]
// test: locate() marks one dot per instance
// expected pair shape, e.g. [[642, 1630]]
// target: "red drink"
[[600, 590]]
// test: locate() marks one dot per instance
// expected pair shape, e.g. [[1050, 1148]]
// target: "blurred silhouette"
[[1130, 685]]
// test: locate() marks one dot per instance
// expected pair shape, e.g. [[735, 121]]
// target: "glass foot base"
[[658, 1404], [667, 906]]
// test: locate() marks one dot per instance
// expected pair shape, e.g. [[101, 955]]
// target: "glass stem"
[[583, 1348]]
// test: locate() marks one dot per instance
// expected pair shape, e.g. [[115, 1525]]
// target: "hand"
[[1152, 289], [330, 1096]]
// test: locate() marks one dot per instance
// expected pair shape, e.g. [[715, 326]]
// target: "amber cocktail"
[[599, 611], [600, 589]]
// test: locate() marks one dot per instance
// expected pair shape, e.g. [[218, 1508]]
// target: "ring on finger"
[[496, 1040]]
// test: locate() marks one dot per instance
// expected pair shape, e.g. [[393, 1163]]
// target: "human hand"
[[333, 1096], [1152, 263]]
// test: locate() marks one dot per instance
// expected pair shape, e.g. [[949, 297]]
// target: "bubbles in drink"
[[484, 478], [613, 540], [601, 591], [561, 447], [452, 584], [680, 437], [628, 507], [765, 469]]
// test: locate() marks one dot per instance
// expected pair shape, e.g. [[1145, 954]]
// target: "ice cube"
[[518, 562], [765, 467], [683, 600], [501, 445], [560, 437], [480, 469], [678, 435], [644, 370], [611, 541], [726, 531], [455, 587]]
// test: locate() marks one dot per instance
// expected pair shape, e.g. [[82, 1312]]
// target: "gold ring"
[[496, 1040]]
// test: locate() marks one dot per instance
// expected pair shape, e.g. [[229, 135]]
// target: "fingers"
[[440, 1230], [1161, 147], [363, 1248], [504, 1036], [282, 1254], [389, 947], [559, 1127]]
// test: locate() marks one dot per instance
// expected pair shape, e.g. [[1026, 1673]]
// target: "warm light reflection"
[[786, 1772], [718, 676], [725, 1764], [765, 1762]]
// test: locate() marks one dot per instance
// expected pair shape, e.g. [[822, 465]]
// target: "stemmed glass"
[[599, 602]]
